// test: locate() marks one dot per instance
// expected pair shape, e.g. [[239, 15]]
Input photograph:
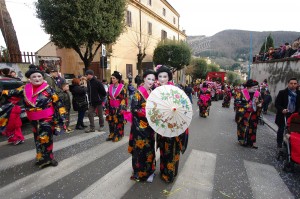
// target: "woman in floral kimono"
[[247, 102], [45, 112], [142, 140], [116, 106], [170, 148], [227, 97], [204, 100]]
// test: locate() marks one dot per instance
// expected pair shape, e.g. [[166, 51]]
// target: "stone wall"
[[277, 74]]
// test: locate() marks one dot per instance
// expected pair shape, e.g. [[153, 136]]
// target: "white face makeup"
[[149, 81], [36, 79], [163, 78], [252, 89]]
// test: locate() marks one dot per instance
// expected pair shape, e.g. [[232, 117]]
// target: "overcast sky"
[[197, 17]]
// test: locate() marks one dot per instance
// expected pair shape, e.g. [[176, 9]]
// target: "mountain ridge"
[[231, 46]]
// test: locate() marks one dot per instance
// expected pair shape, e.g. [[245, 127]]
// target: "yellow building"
[[148, 22]]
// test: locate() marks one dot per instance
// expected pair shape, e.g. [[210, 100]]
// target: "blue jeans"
[[190, 97]]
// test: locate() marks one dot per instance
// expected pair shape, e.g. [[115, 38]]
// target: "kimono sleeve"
[[60, 111], [18, 92], [124, 100]]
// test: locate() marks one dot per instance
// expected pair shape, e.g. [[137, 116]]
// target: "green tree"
[[235, 66], [267, 44], [213, 68], [200, 68], [82, 25], [233, 78], [4, 54], [175, 54]]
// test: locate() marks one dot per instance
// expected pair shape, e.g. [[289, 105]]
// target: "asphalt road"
[[214, 166]]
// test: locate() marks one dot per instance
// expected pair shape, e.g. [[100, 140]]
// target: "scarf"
[[292, 101]]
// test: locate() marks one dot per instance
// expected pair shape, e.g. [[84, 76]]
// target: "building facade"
[[147, 23]]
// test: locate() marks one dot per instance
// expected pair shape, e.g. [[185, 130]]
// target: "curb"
[[271, 125]]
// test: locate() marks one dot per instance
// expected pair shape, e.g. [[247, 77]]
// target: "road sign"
[[103, 50]]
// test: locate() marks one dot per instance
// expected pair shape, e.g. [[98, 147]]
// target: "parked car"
[[69, 77], [7, 83]]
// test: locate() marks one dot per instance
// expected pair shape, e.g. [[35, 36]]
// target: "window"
[[164, 11], [129, 70], [150, 2], [128, 18], [174, 20], [164, 35], [149, 28]]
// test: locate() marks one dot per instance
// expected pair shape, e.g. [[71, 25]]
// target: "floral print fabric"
[[246, 119], [43, 129], [227, 99], [170, 149], [204, 102], [115, 116], [141, 140]]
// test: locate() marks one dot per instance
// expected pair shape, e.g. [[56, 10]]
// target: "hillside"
[[230, 46]]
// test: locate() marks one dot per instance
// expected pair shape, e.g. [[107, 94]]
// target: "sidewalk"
[[269, 120]]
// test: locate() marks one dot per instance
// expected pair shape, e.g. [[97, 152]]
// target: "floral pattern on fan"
[[168, 110], [176, 97], [157, 118]]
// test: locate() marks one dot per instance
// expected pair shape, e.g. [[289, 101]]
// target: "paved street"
[[214, 166]]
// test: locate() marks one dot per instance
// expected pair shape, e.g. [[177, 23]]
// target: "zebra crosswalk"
[[195, 178]]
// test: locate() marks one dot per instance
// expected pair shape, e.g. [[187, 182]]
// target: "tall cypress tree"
[[267, 44]]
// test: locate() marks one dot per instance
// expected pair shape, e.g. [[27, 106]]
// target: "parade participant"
[[204, 100], [141, 139], [247, 103], [236, 92], [45, 111], [227, 97], [170, 148], [115, 107]]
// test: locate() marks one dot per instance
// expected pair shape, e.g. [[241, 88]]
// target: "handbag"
[[83, 103]]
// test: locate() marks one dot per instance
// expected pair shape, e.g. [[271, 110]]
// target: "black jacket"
[[281, 103], [96, 92], [79, 100]]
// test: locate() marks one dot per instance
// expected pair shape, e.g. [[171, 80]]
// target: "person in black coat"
[[96, 95], [286, 103], [79, 101], [267, 99]]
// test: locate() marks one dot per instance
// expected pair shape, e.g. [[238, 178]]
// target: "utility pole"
[[250, 56]]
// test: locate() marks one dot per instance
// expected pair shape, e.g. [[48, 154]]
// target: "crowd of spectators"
[[6, 72], [284, 51]]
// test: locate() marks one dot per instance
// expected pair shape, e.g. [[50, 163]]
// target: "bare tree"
[[9, 34]]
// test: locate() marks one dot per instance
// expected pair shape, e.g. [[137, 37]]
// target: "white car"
[[69, 77]]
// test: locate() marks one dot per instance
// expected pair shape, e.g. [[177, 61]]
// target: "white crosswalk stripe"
[[36, 181], [105, 187], [194, 180], [266, 182], [29, 155]]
